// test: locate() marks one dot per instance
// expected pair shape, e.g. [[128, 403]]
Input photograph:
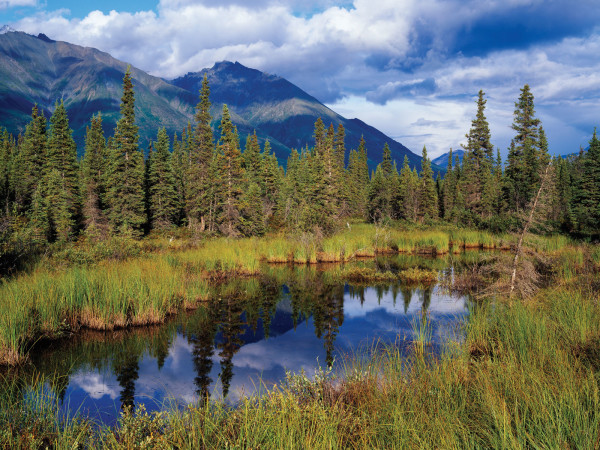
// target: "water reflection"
[[293, 318]]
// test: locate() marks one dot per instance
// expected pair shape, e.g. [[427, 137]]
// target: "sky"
[[411, 68]]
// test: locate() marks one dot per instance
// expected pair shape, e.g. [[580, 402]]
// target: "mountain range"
[[39, 70], [442, 160]]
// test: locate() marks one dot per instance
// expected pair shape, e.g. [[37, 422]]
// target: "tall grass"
[[526, 374]]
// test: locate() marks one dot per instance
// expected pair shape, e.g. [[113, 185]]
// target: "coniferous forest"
[[211, 186]]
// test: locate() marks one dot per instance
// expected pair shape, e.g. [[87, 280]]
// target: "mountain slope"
[[442, 160], [38, 70], [283, 111]]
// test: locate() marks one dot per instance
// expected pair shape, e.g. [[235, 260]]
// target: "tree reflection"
[[203, 349], [231, 328], [126, 371]]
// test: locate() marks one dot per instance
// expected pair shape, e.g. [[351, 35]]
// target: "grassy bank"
[[99, 287], [526, 375]]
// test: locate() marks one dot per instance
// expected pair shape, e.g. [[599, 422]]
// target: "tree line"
[[47, 195]]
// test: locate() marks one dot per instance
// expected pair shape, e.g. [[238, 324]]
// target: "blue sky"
[[411, 68]]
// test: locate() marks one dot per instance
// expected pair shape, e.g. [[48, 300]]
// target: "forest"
[[208, 186]]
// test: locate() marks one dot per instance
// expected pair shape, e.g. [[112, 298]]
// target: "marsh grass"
[[418, 276], [125, 283], [525, 374]]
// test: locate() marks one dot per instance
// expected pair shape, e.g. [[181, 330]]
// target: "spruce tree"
[[163, 205], [7, 153], [524, 157], [58, 200], [29, 166], [252, 218], [428, 201], [232, 177], [125, 183], [200, 176], [39, 222], [270, 181], [477, 165], [378, 200], [408, 200], [252, 160], [386, 164], [586, 190], [94, 172], [449, 191]]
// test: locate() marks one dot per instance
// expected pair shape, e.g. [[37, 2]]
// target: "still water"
[[292, 319]]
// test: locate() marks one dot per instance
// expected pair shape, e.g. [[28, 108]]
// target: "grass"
[[121, 283], [417, 275], [526, 375]]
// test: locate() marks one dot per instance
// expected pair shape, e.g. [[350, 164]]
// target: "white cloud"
[[4, 4]]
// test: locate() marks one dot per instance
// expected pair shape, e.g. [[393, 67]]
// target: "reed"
[[525, 374]]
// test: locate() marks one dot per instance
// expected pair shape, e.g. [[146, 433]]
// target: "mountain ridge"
[[39, 70]]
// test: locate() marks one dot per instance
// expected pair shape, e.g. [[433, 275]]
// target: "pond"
[[291, 319]]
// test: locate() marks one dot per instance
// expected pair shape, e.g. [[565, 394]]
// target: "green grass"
[[526, 375], [128, 283]]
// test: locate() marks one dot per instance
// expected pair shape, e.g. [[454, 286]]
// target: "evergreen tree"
[[270, 182], [586, 190], [409, 195], [58, 201], [252, 220], [449, 191], [7, 153], [477, 165], [200, 177], [428, 202], [125, 183], [386, 164], [161, 184], [379, 202], [61, 151], [29, 166], [94, 168], [252, 160], [39, 222], [231, 177], [525, 159]]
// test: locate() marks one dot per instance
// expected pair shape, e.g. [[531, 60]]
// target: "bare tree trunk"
[[525, 229]]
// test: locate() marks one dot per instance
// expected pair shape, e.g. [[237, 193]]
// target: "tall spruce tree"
[[232, 177], [477, 165], [428, 201], [586, 190], [409, 192], [200, 177], [29, 166], [125, 183], [524, 156], [163, 201], [61, 155], [94, 168]]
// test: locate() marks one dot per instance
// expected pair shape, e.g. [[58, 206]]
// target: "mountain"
[[283, 111], [442, 160], [39, 70]]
